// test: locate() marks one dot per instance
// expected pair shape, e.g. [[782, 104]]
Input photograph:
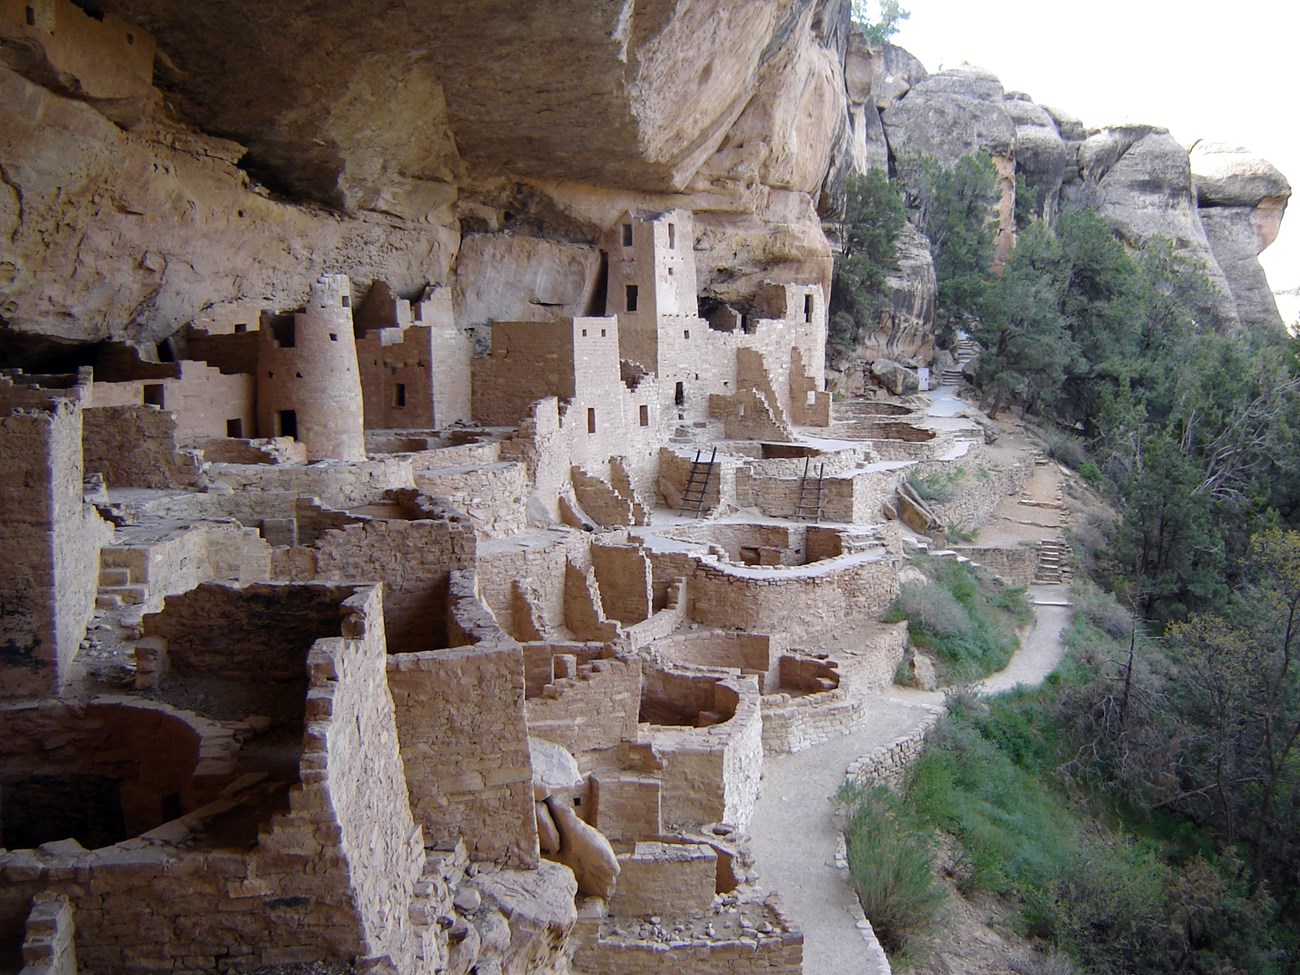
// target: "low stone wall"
[[595, 709], [1015, 566], [779, 953], [494, 496], [837, 594], [793, 724], [259, 491], [888, 764], [983, 487]]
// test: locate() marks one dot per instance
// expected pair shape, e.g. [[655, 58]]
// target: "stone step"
[[112, 575], [129, 595]]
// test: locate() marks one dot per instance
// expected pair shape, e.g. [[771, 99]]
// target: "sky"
[[1223, 71]]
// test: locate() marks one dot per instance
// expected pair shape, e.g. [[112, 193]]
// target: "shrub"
[[1067, 449], [969, 622], [933, 487], [892, 871], [1101, 609]]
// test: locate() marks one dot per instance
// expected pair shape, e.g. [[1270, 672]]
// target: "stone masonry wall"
[[460, 717], [51, 539], [330, 878], [136, 446], [495, 496], [1015, 565], [594, 710], [411, 558], [983, 487]]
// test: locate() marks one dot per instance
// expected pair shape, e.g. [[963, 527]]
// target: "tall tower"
[[50, 537], [308, 383]]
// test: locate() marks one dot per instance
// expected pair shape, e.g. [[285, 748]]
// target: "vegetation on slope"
[[966, 619], [1142, 812]]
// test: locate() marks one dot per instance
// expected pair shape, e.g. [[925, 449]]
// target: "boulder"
[[953, 114], [555, 770], [548, 836], [896, 377], [585, 851], [896, 71], [950, 115], [501, 277]]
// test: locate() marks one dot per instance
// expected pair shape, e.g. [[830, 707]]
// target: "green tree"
[[953, 207], [1241, 706], [868, 234], [879, 29], [1026, 350]]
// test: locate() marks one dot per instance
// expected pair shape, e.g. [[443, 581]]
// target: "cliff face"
[[272, 144], [1220, 205], [163, 164]]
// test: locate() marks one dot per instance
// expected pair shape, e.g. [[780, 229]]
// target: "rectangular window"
[[241, 328], [153, 394], [399, 395], [807, 308], [627, 235], [346, 301], [31, 16], [686, 333], [672, 236], [235, 428], [631, 297], [591, 421], [286, 423], [679, 395], [285, 331], [645, 415]]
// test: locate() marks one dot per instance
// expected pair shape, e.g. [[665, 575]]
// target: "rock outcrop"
[[954, 114], [1241, 198]]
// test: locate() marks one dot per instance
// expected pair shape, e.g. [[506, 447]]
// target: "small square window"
[[235, 428], [584, 333], [334, 336]]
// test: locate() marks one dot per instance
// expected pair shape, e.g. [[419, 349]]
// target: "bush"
[[933, 487], [892, 871], [1101, 609], [969, 623], [1067, 449]]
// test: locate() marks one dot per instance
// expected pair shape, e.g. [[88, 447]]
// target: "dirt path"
[[793, 836]]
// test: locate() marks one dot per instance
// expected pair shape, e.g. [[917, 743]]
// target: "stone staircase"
[[964, 351], [1053, 563], [120, 582]]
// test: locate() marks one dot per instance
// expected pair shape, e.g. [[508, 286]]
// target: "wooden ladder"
[[698, 483], [810, 492]]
